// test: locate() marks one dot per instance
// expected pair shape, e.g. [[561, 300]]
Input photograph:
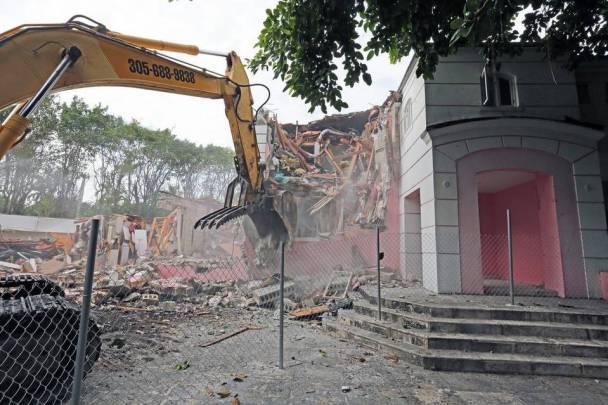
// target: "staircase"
[[507, 340]]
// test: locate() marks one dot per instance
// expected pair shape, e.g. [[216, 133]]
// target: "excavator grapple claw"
[[272, 218]]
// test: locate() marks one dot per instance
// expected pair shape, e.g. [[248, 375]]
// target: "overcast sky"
[[210, 24]]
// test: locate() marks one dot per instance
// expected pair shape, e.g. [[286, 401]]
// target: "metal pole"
[[378, 257], [84, 313], [281, 304], [71, 55], [510, 247]]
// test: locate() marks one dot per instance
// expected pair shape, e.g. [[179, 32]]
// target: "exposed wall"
[[37, 224], [545, 90], [196, 242]]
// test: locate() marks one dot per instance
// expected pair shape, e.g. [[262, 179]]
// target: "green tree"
[[304, 41], [212, 168], [111, 166], [71, 143], [24, 171], [78, 130], [152, 159]]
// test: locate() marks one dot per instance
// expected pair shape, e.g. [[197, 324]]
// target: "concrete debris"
[[269, 296], [224, 393], [167, 306], [339, 284], [215, 301], [134, 296], [150, 298], [290, 305]]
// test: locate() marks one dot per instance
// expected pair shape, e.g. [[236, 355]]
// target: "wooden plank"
[[229, 335], [308, 312]]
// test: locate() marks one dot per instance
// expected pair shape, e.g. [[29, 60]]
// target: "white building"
[[520, 138]]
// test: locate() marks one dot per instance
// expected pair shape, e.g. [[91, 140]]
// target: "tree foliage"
[[304, 41], [73, 147]]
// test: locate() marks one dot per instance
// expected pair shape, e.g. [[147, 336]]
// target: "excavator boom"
[[39, 59]]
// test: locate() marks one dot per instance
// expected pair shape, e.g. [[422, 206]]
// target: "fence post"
[[510, 254], [378, 258], [281, 304], [84, 313]]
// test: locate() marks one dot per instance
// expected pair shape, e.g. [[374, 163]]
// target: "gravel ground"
[[158, 358]]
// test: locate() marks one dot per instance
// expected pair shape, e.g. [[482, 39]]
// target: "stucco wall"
[[545, 89], [415, 177], [595, 76], [430, 153]]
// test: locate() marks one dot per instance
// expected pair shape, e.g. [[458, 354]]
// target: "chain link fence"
[[183, 329]]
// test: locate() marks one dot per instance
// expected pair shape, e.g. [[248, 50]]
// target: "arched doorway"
[[539, 188]]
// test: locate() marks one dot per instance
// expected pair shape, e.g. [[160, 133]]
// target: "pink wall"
[[390, 237], [523, 200], [355, 248], [567, 229], [604, 285], [493, 249]]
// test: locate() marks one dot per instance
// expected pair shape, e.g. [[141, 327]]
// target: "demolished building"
[[339, 168], [342, 172]]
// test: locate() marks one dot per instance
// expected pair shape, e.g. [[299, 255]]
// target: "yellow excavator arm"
[[36, 60]]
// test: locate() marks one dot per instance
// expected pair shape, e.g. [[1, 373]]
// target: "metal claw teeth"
[[220, 217], [202, 223], [230, 216]]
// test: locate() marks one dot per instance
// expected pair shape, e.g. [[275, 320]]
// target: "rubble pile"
[[20, 255], [340, 168], [186, 284]]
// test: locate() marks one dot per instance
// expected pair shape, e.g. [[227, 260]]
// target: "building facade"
[[476, 142]]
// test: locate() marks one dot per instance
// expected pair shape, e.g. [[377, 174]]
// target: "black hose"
[[255, 117]]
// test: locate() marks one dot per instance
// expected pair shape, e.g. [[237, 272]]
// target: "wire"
[[76, 17], [238, 101]]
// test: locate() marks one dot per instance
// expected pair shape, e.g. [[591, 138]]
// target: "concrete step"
[[501, 287], [478, 343], [410, 320], [450, 360], [514, 313]]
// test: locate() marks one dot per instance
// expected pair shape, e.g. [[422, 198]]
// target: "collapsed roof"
[[339, 168]]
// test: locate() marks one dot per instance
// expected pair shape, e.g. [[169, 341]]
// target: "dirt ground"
[[158, 358]]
